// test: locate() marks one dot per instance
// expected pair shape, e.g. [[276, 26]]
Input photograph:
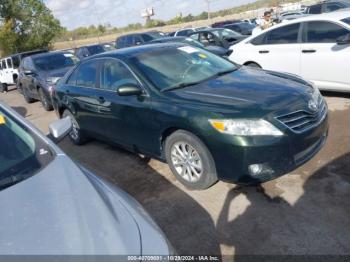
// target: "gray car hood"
[[60, 211]]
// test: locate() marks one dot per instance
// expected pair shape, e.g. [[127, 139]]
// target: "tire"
[[3, 87], [28, 99], [45, 101], [196, 170], [76, 135], [252, 64]]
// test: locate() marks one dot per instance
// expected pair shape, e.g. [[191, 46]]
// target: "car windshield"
[[168, 67], [226, 33], [95, 49], [55, 61], [193, 42], [22, 153]]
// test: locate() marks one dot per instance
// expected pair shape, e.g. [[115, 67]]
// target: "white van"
[[9, 68]]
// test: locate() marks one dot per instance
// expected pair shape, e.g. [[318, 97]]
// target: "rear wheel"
[[76, 135], [28, 99], [45, 100], [252, 64], [190, 160], [3, 87]]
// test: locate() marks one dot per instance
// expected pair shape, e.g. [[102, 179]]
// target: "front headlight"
[[245, 127]]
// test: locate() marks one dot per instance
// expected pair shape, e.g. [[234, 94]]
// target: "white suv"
[[9, 68], [315, 47], [8, 72]]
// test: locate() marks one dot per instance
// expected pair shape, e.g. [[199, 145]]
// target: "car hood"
[[248, 89], [218, 50], [61, 211]]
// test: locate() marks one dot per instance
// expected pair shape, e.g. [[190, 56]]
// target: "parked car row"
[[314, 47], [175, 99]]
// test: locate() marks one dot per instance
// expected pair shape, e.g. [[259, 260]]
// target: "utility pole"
[[208, 7]]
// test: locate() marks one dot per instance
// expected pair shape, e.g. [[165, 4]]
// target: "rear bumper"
[[236, 158]]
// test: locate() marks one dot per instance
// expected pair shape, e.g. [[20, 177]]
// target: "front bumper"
[[276, 156]]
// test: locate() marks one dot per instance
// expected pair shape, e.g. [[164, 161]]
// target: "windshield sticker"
[[2, 120], [68, 55], [202, 56], [188, 49]]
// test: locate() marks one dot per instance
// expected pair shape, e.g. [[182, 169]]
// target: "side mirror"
[[59, 129], [129, 90], [344, 40]]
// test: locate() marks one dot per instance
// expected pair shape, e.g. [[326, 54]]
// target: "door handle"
[[308, 51], [101, 99], [264, 51]]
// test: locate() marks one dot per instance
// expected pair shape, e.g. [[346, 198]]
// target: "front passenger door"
[[323, 61], [126, 120]]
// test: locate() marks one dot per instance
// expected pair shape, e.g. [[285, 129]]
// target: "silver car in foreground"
[[50, 205]]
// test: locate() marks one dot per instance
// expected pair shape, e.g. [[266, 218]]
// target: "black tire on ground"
[[3, 87], [28, 99], [252, 64], [76, 135], [207, 176], [45, 100]]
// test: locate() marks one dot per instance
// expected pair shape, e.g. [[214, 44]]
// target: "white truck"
[[9, 68]]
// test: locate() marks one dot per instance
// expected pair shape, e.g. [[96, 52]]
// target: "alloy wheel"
[[186, 161]]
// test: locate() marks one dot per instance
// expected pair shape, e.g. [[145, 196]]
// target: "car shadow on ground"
[[180, 217], [317, 223], [20, 110]]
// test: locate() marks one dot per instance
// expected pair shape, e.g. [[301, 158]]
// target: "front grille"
[[302, 120]]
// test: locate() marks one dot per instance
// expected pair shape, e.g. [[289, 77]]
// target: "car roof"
[[134, 50], [48, 54], [170, 39], [336, 15]]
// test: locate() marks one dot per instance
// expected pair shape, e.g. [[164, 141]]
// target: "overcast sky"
[[75, 13]]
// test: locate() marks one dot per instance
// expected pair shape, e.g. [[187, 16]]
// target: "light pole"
[[208, 7]]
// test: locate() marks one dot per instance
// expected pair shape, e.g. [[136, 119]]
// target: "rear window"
[[346, 20], [22, 153], [95, 49], [54, 61]]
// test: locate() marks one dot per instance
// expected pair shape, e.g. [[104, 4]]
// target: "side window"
[[138, 40], [121, 42], [283, 35], [329, 7], [259, 40], [115, 74], [86, 74], [323, 32], [3, 64], [129, 41], [9, 63], [315, 9]]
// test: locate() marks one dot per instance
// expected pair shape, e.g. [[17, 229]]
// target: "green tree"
[[28, 25]]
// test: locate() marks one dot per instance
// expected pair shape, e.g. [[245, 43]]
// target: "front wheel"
[[76, 135], [28, 99], [190, 160]]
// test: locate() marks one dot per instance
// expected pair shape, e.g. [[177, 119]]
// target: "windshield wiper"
[[181, 85], [221, 73]]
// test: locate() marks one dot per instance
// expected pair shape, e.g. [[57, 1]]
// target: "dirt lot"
[[304, 212]]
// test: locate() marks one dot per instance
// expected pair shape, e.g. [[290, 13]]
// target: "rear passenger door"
[[80, 94], [323, 61]]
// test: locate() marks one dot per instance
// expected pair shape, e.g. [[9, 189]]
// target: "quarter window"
[[115, 74], [324, 32], [283, 35], [346, 20], [86, 74]]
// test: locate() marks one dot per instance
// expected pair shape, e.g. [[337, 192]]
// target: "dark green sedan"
[[207, 118]]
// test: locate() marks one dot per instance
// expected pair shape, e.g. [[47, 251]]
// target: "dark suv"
[[327, 6], [137, 39], [207, 118], [85, 51], [39, 73]]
